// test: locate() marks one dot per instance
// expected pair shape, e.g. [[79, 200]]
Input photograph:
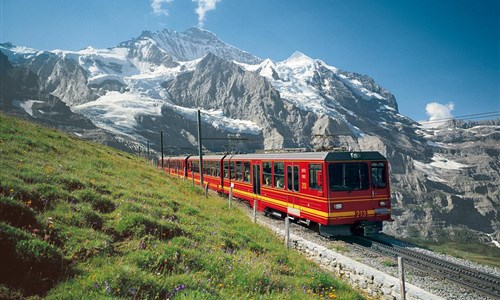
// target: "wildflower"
[[51, 222], [220, 285], [132, 291], [108, 287]]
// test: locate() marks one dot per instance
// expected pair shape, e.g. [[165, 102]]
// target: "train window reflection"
[[279, 175], [232, 170], [239, 171], [378, 175], [267, 171], [226, 169], [348, 176], [314, 171], [246, 175]]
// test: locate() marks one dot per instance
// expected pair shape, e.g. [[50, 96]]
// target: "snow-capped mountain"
[[157, 81], [189, 45]]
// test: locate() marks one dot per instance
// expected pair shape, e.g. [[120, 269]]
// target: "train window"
[[314, 176], [293, 178], [226, 169], [289, 177], [213, 169], [246, 167], [267, 171], [348, 176], [217, 169], [279, 175], [296, 178], [378, 175], [207, 166], [239, 171], [232, 169]]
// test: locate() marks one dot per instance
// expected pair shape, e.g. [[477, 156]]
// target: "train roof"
[[321, 156], [207, 157]]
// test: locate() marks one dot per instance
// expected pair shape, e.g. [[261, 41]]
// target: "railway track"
[[480, 282]]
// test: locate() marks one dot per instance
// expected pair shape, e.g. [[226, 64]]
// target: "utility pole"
[[200, 151], [161, 142]]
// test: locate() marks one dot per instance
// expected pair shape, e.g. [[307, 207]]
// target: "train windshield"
[[378, 175], [348, 176]]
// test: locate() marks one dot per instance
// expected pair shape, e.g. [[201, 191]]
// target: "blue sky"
[[423, 51]]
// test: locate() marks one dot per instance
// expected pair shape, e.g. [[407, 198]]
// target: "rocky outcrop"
[[64, 78], [22, 95]]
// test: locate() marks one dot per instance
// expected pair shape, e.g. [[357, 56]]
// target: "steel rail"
[[483, 283]]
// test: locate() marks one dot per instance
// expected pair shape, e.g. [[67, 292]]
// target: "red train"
[[344, 192]]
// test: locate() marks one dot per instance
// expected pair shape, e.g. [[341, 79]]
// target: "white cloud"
[[204, 6], [438, 114], [156, 5]]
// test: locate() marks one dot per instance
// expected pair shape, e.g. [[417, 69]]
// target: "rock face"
[[461, 179], [444, 181], [22, 95]]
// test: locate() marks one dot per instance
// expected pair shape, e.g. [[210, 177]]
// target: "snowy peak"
[[201, 34], [194, 43], [299, 59]]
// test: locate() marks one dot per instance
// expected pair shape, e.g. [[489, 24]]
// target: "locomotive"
[[343, 192]]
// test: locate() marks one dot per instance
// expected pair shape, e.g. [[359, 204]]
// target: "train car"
[[212, 171], [343, 192], [163, 164], [177, 166]]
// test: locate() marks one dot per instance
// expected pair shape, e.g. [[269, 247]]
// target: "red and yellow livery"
[[343, 192]]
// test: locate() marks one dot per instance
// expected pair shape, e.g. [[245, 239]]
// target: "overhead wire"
[[464, 117], [366, 130]]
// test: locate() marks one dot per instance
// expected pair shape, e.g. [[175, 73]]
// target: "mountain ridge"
[[158, 80]]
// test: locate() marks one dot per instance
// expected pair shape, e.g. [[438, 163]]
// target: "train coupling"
[[370, 227]]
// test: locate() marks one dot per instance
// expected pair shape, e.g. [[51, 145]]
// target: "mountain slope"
[[107, 225], [157, 81]]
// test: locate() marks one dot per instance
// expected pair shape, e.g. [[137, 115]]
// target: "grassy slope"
[[80, 220], [475, 251]]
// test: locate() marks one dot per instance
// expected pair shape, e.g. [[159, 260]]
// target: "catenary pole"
[[161, 142], [200, 152]]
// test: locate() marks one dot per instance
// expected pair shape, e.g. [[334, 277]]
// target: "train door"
[[379, 187], [256, 178], [293, 184]]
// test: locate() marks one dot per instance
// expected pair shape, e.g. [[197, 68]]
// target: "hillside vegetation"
[[83, 221]]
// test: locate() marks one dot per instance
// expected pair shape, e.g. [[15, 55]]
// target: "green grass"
[[82, 221], [473, 251]]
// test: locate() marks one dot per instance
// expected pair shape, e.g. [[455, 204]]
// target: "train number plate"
[[361, 213]]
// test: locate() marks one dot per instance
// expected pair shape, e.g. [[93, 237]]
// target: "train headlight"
[[383, 203], [337, 206], [355, 155]]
